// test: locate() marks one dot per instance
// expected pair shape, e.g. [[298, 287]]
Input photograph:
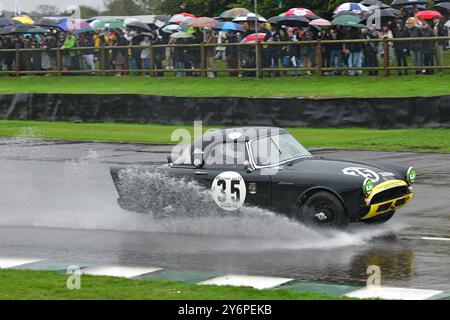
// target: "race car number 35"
[[229, 191]]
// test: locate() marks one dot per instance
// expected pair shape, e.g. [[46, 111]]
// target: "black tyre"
[[323, 209], [381, 218]]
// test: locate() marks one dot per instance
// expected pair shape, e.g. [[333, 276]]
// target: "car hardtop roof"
[[225, 135], [250, 133]]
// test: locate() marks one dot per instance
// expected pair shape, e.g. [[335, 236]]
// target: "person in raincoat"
[[69, 53]]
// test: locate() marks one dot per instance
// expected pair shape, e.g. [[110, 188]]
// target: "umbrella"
[[384, 14], [50, 22], [443, 5], [23, 19], [22, 29], [428, 15], [233, 13], [180, 18], [320, 23], [171, 28], [71, 25], [376, 3], [346, 13], [294, 21], [202, 22], [108, 24], [138, 25], [229, 26], [408, 2], [249, 17], [447, 24], [84, 30], [181, 35], [298, 12], [348, 21], [5, 22], [253, 38], [352, 6]]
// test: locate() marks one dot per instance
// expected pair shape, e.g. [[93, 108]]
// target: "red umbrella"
[[252, 38], [298, 12], [428, 15]]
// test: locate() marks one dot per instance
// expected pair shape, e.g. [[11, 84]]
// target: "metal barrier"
[[251, 59]]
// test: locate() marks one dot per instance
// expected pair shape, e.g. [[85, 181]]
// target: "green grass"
[[343, 86], [435, 140], [37, 285]]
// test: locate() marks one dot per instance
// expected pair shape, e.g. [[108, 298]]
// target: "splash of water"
[[79, 193]]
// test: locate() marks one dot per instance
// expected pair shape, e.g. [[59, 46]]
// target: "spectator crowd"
[[140, 59]]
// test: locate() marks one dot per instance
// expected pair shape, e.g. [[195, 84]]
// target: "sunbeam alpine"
[[268, 168]]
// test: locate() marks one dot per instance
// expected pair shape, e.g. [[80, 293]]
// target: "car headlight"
[[411, 175], [367, 187]]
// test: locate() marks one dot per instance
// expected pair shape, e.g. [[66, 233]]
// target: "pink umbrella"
[[181, 17], [320, 23], [253, 38], [298, 12], [202, 22]]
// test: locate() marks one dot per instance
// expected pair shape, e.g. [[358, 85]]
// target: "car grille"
[[390, 194]]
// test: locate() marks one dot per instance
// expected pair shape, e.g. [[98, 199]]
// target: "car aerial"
[[268, 168]]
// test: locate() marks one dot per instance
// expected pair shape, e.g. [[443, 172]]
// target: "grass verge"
[[434, 140], [342, 86], [46, 285]]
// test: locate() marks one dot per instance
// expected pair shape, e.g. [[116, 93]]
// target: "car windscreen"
[[276, 149]]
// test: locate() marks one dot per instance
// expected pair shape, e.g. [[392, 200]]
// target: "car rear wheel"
[[381, 218], [323, 209]]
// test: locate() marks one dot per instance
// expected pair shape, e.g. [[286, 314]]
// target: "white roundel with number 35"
[[229, 190]]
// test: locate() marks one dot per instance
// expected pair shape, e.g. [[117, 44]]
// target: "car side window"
[[226, 154]]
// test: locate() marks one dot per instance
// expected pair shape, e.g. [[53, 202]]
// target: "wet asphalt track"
[[57, 201]]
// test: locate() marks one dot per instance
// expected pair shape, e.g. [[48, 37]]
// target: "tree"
[[45, 10], [88, 12], [122, 8]]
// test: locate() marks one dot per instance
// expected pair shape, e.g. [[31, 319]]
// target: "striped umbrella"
[[250, 17], [352, 6]]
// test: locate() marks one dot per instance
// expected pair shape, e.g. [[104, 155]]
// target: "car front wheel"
[[323, 209]]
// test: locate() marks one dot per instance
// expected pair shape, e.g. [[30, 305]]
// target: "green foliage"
[[122, 8], [88, 12]]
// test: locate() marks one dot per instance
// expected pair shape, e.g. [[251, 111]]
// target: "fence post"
[[258, 59], [102, 60], [203, 65], [58, 61], [152, 61], [386, 56], [17, 62], [319, 57]]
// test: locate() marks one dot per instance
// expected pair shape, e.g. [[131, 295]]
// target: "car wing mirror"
[[247, 166]]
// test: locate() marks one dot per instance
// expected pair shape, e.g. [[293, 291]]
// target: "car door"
[[229, 157]]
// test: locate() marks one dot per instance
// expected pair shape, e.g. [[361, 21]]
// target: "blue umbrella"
[[229, 26]]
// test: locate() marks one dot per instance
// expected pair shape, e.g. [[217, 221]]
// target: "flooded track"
[[57, 201]]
